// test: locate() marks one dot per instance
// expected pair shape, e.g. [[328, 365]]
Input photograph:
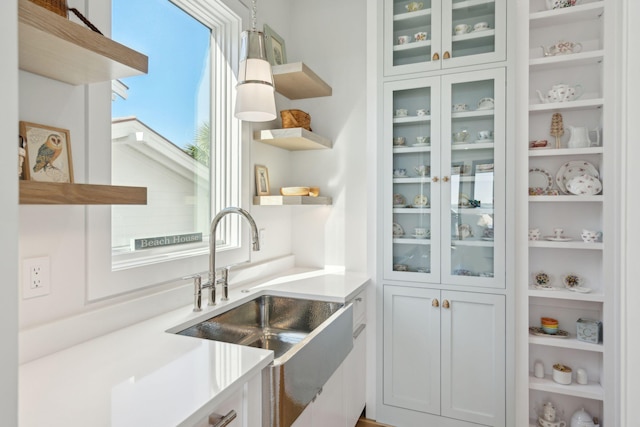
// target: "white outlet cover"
[[29, 290]]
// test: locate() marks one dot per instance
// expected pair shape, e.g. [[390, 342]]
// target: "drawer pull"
[[436, 56], [216, 420], [358, 331], [435, 303], [446, 55], [445, 304]]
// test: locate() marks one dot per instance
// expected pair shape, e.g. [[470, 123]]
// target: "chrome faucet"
[[224, 277]]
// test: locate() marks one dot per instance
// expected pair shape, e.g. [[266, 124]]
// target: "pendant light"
[[255, 98]]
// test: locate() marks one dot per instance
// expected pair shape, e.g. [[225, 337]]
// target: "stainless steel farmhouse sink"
[[310, 339]]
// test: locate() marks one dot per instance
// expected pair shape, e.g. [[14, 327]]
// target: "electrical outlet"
[[35, 277]]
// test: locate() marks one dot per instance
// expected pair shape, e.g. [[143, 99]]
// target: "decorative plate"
[[397, 230], [572, 169], [558, 239], [420, 200], [533, 330], [584, 185], [540, 181]]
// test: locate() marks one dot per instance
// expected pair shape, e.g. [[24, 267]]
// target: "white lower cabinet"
[[443, 358]]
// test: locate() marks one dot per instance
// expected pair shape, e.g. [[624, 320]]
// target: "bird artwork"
[[48, 153]]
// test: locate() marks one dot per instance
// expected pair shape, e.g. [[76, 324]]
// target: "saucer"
[[558, 239], [580, 289], [399, 206], [422, 236], [481, 141], [420, 144], [485, 108], [420, 206], [400, 176]]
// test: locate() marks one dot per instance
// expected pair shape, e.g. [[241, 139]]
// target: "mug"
[[460, 107], [462, 29], [422, 170], [399, 140], [485, 134], [414, 6], [404, 39], [422, 112], [481, 26], [421, 36], [423, 140], [402, 112], [399, 172], [590, 236], [486, 104]]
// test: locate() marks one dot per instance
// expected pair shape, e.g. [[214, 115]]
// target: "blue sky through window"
[[173, 97]]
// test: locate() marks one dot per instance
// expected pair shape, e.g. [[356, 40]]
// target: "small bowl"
[[562, 374], [550, 321], [550, 330]]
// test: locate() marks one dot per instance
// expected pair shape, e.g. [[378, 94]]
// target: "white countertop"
[[144, 376]]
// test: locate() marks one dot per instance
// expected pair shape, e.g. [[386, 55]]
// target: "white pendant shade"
[[255, 102], [255, 96]]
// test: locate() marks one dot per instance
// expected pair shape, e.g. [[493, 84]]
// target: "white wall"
[[9, 215]]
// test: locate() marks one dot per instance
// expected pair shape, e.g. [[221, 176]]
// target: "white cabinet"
[[552, 206], [444, 355], [443, 47], [444, 179]]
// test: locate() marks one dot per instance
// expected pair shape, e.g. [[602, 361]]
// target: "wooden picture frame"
[[276, 50], [48, 153], [262, 180]]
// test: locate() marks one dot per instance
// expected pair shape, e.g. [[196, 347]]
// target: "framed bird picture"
[[48, 150]]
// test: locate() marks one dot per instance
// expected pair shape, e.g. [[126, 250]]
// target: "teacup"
[[422, 112], [558, 233], [421, 36], [485, 134], [460, 107], [401, 112], [404, 39], [462, 29], [420, 232], [414, 6], [399, 140], [400, 267], [400, 172], [486, 104], [481, 26], [590, 236], [423, 140], [460, 136], [398, 199], [534, 234], [422, 170]]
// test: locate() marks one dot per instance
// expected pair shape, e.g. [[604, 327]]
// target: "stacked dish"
[[578, 177]]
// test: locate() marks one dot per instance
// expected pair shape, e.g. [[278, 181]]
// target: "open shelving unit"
[[54, 47]]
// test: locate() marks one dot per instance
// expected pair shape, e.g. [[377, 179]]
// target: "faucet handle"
[[197, 291]]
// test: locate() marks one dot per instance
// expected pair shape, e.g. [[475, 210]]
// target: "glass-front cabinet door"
[[433, 34], [444, 168]]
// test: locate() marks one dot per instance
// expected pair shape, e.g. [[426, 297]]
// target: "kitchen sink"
[[309, 338]]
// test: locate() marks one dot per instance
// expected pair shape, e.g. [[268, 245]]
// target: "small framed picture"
[[276, 52], [262, 181], [48, 153]]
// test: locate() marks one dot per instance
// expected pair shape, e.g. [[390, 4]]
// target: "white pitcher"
[[580, 137]]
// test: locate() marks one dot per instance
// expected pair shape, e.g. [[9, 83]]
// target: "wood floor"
[[363, 422]]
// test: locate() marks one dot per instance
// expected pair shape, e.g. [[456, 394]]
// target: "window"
[[173, 132]]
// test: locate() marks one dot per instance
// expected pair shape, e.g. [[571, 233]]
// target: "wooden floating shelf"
[[55, 47], [297, 81], [50, 193], [292, 139], [291, 200]]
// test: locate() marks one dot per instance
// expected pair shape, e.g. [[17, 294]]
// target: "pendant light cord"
[[254, 10]]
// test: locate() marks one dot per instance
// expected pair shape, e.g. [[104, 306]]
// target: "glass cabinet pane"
[[412, 166], [472, 189], [412, 31], [473, 29]]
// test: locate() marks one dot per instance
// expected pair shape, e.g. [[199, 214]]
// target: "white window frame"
[[229, 161]]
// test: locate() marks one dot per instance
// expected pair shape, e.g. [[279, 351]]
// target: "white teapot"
[[581, 418], [561, 93]]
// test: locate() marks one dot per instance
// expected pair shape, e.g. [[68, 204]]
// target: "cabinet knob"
[[436, 56], [445, 178], [446, 55], [445, 303], [435, 303], [434, 179]]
